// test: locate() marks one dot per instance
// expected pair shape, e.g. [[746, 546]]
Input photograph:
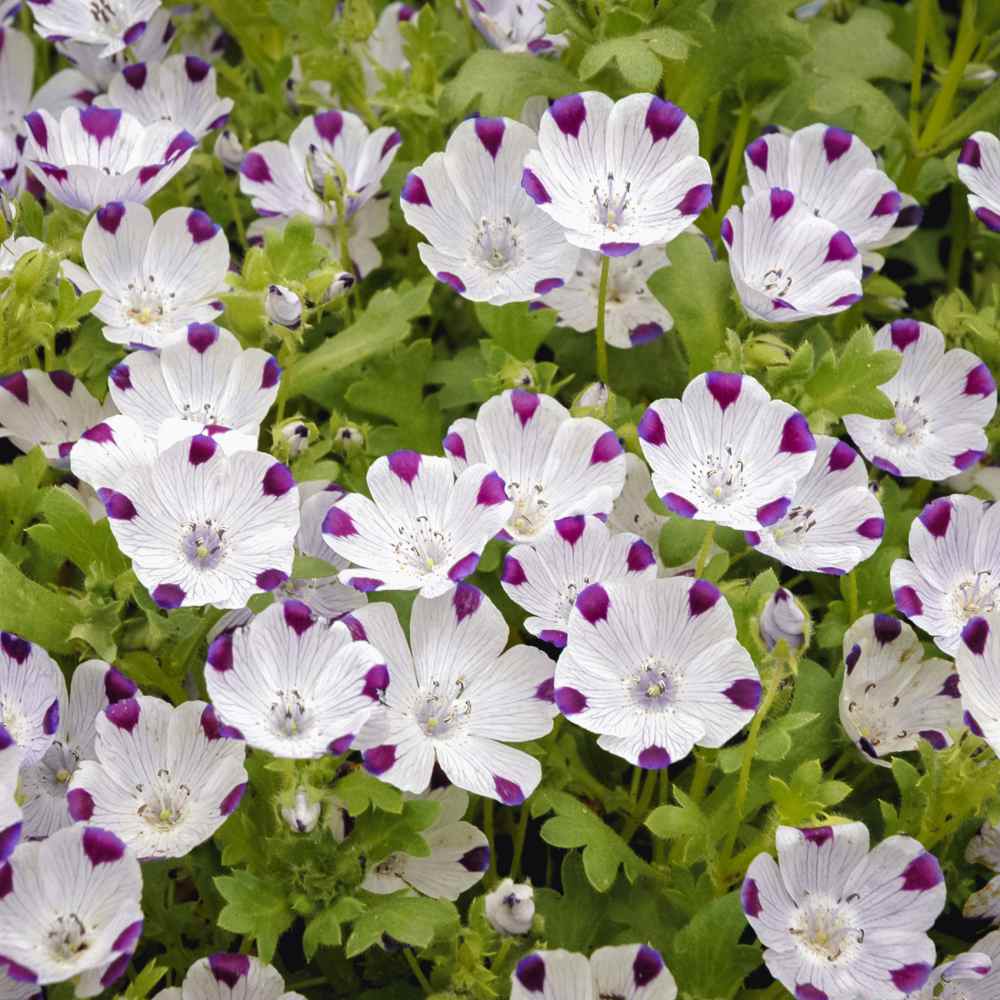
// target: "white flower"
[[943, 400], [49, 410], [93, 686], [553, 465], [984, 848], [384, 47], [618, 175], [833, 174], [226, 976], [30, 687], [456, 699], [892, 697], [11, 816], [977, 660], [633, 315], [630, 971], [726, 452], [164, 778], [654, 668], [87, 158], [546, 576], [954, 575], [974, 975], [907, 221], [984, 904], [303, 813], [515, 25], [787, 263], [155, 279], [838, 921], [229, 150], [70, 908], [459, 854], [486, 237], [13, 249], [782, 619], [631, 512], [113, 24], [283, 307], [834, 521], [979, 171], [510, 907], [422, 530]]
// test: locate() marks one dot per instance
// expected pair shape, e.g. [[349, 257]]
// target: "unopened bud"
[[341, 284], [510, 907], [8, 207], [302, 815], [296, 437], [594, 397], [338, 821], [229, 150], [348, 438], [782, 618], [283, 307]]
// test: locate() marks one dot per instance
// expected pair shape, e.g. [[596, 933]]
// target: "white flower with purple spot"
[[977, 660], [973, 975], [164, 778], [905, 225], [839, 921], [834, 521], [93, 686], [654, 668], [226, 976], [112, 24], [510, 907], [424, 528], [726, 452], [30, 688], [618, 175], [11, 816], [633, 316], [70, 909], [783, 620], [984, 848], [631, 512], [943, 401], [155, 279], [626, 972], [49, 410], [953, 573], [487, 239], [553, 465], [456, 699], [891, 697], [459, 854], [384, 48], [87, 158], [515, 25], [979, 171], [787, 263], [546, 576]]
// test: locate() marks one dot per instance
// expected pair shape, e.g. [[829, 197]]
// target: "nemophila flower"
[[302, 815], [631, 512], [782, 620], [974, 975], [984, 847], [11, 817], [94, 685], [283, 307], [953, 573], [294, 685], [726, 452], [228, 148], [486, 238], [907, 221], [384, 47], [70, 909], [839, 921], [112, 24], [546, 576], [87, 158], [833, 174], [515, 25], [618, 175], [226, 976], [510, 907], [13, 249], [834, 521], [181, 90], [979, 171], [424, 529], [943, 400], [633, 316], [787, 263], [977, 660], [456, 699], [630, 971], [164, 778], [553, 465], [891, 697], [155, 278], [30, 687], [49, 410], [984, 904], [459, 854]]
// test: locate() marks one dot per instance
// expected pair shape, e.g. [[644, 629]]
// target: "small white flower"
[[979, 171], [283, 307], [295, 434], [510, 907], [229, 150], [226, 976], [630, 971], [113, 24], [303, 813], [974, 975], [30, 688], [515, 25], [782, 619], [341, 284]]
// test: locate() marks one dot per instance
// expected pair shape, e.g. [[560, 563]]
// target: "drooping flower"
[[726, 452], [424, 529], [226, 976], [788, 264], [510, 907], [459, 854], [49, 410], [979, 171], [70, 909], [87, 158], [943, 400], [456, 699], [631, 512], [834, 521], [782, 620], [283, 307], [553, 465], [384, 47], [618, 175], [512, 26], [546, 576], [302, 814], [633, 315], [30, 686], [11, 816], [973, 975], [164, 778], [155, 279], [891, 697], [229, 150], [630, 971], [839, 921], [954, 574], [486, 238]]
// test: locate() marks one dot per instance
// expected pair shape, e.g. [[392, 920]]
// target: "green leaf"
[[859, 47], [409, 919], [360, 790], [573, 917], [982, 113], [322, 931], [637, 57], [35, 612], [256, 908], [72, 534], [19, 496], [519, 330]]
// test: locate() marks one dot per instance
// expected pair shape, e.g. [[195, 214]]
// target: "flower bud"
[[782, 618], [283, 307], [296, 436], [348, 438], [594, 397], [8, 207], [341, 284], [510, 907], [303, 815], [338, 821], [229, 150]]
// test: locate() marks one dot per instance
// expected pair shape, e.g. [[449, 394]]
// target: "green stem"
[[642, 806], [706, 547], [919, 49], [959, 235], [965, 45], [699, 783], [735, 163], [411, 961], [852, 598], [602, 302], [633, 792], [660, 845], [519, 834], [307, 984], [489, 832], [234, 209]]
